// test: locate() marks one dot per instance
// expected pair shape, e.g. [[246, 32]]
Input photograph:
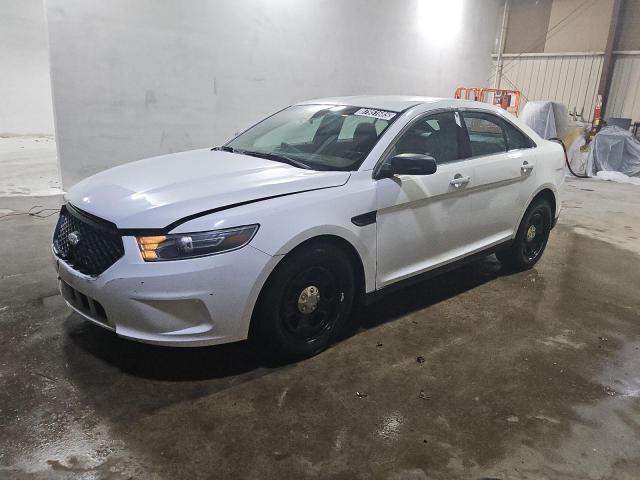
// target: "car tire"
[[531, 238], [305, 303]]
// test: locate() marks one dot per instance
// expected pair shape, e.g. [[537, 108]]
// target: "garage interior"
[[476, 374]]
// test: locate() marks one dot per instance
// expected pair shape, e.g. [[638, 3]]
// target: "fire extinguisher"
[[597, 118]]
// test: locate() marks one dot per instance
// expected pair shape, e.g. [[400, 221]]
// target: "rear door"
[[504, 176]]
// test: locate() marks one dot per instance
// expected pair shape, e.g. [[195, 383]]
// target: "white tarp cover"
[[547, 119], [617, 177], [577, 158], [614, 150]]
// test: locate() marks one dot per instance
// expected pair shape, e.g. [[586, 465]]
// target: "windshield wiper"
[[269, 156], [276, 157], [224, 148]]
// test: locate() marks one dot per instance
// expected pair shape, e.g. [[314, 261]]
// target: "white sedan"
[[275, 235]]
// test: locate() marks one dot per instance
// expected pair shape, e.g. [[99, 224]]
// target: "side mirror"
[[409, 164]]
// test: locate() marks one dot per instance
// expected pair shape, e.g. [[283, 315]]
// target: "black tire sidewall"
[[539, 206], [267, 329]]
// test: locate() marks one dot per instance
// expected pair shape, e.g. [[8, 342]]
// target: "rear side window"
[[437, 135], [490, 134], [515, 138], [486, 135]]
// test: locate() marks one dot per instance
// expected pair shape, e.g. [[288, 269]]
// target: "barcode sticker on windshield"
[[381, 114]]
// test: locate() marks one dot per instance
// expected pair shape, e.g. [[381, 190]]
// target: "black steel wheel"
[[304, 303], [535, 237], [531, 238]]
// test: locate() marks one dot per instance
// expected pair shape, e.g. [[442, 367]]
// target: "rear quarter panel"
[[550, 171]]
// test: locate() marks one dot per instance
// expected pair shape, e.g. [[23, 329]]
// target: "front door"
[[423, 221]]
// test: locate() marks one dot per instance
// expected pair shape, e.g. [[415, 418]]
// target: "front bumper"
[[194, 302]]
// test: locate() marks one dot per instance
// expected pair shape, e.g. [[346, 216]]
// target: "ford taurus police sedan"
[[277, 234]]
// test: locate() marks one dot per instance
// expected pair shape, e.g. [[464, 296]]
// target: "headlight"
[[188, 245]]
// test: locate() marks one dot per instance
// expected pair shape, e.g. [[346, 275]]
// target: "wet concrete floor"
[[476, 374]]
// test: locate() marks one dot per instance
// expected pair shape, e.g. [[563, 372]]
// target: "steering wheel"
[[288, 146]]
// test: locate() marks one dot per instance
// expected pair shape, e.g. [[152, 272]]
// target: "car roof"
[[396, 103]]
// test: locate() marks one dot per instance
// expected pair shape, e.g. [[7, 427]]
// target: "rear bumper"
[[195, 302]]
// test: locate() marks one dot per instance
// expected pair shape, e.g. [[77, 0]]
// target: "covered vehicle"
[[614, 150]]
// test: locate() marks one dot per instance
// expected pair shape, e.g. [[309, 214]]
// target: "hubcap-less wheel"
[[531, 237], [305, 303], [535, 237], [310, 305]]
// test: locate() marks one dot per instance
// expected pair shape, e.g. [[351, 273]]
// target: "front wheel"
[[531, 238], [304, 303]]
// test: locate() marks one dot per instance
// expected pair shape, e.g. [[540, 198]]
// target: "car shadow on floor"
[[430, 292], [161, 363], [202, 363]]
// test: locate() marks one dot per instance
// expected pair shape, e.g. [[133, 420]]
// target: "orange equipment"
[[508, 100], [471, 93]]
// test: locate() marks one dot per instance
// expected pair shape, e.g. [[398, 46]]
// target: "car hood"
[[156, 192]]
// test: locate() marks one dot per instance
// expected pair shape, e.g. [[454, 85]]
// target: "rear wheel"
[[305, 302], [531, 239]]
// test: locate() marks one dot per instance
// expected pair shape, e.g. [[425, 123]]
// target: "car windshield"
[[319, 137]]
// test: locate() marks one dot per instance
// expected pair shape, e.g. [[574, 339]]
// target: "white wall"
[[135, 79], [25, 86]]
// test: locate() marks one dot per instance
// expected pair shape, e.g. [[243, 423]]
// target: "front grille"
[[88, 244]]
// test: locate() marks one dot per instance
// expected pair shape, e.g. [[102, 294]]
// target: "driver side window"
[[436, 135]]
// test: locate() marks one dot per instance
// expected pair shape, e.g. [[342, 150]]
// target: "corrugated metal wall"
[[624, 95], [572, 79]]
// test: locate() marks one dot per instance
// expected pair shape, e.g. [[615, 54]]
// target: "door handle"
[[526, 168], [459, 181]]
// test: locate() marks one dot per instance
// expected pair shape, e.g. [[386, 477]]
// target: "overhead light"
[[439, 21]]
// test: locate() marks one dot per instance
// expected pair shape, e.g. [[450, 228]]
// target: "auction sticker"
[[381, 114]]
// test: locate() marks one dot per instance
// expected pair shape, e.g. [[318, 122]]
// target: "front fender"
[[363, 243]]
